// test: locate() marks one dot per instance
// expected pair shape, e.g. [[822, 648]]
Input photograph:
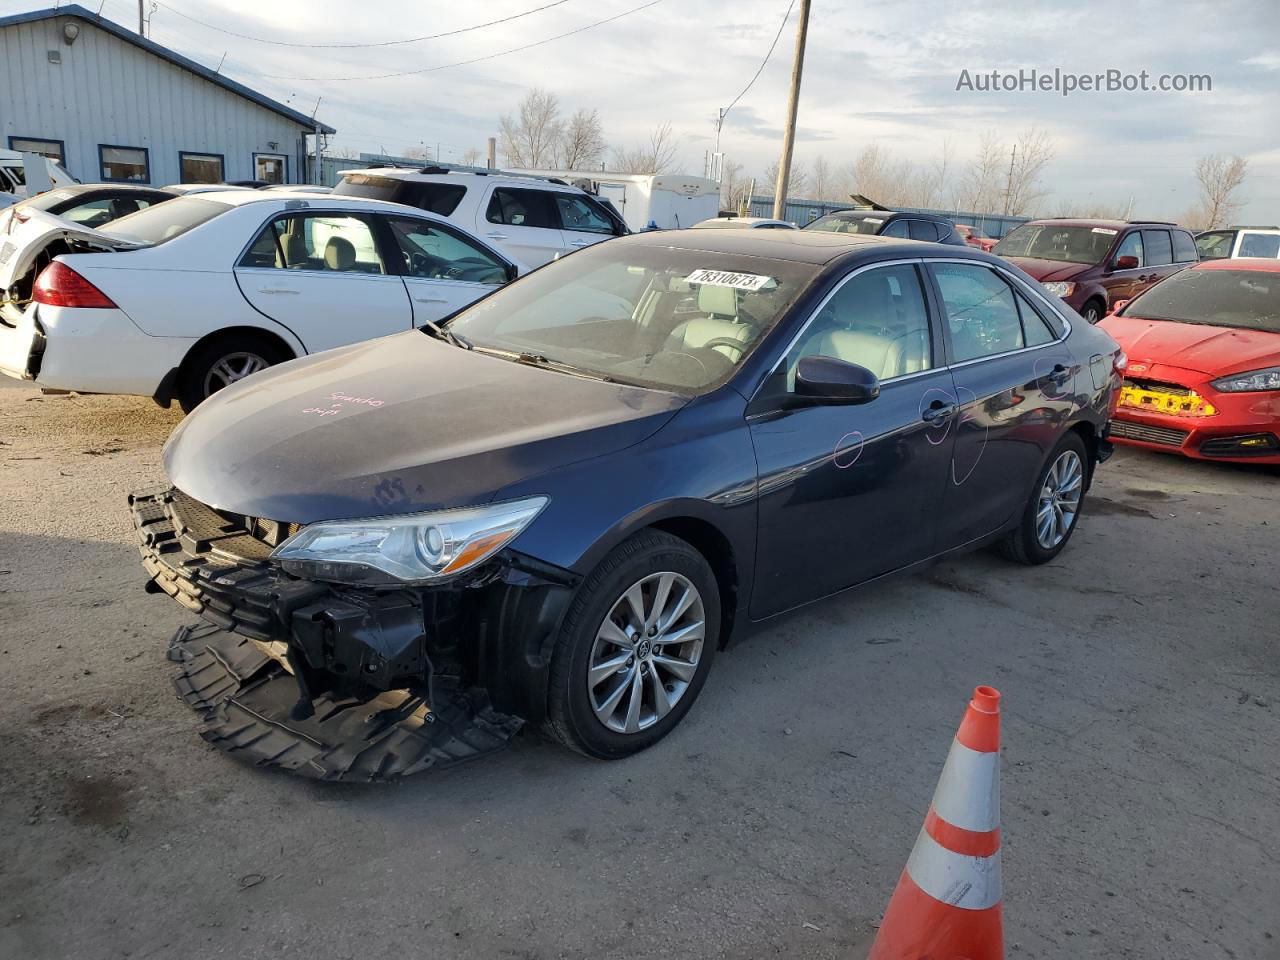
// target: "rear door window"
[[329, 243], [1184, 248], [922, 230], [523, 208], [1035, 329], [1158, 247], [896, 229], [982, 315]]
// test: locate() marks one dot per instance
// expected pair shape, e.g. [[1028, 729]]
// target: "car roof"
[[802, 246], [745, 221], [235, 197], [1259, 264], [1109, 224], [459, 176], [112, 187]]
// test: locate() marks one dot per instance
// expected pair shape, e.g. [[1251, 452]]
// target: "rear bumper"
[[91, 351], [492, 630]]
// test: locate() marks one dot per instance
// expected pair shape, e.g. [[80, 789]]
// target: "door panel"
[[444, 270], [1015, 388], [1126, 284], [322, 276], [847, 493], [581, 224]]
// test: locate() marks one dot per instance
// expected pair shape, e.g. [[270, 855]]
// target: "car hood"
[[397, 425], [1210, 350], [23, 244], [1048, 270]]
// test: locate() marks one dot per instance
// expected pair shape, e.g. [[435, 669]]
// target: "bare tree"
[[822, 179], [419, 151], [1030, 154], [731, 185], [1219, 177], [343, 153], [531, 138], [656, 156], [472, 157], [581, 144], [980, 188]]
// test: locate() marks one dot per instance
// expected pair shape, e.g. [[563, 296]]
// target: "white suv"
[[531, 219], [1239, 242]]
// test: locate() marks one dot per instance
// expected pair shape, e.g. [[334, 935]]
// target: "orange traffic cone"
[[947, 904]]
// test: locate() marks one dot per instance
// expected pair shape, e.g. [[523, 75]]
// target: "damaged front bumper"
[[289, 670]]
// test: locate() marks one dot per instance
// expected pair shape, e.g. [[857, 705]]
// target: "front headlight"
[[411, 548], [1268, 379], [1059, 288]]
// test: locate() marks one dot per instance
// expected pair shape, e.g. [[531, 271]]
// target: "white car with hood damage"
[[178, 300]]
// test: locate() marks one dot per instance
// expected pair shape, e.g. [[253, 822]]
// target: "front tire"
[[635, 647], [1092, 312], [1053, 509], [221, 362]]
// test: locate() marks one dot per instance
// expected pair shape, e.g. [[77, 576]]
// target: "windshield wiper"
[[538, 360], [445, 334]]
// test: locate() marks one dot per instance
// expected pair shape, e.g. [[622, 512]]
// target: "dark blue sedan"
[[555, 508]]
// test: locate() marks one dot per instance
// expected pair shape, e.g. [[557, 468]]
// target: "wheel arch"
[[283, 340], [718, 551]]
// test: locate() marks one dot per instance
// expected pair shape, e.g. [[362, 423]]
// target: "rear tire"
[[1093, 311], [618, 686], [1053, 509], [222, 361]]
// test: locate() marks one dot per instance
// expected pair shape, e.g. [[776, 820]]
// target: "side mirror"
[[1117, 307], [828, 380], [512, 272], [1125, 263]]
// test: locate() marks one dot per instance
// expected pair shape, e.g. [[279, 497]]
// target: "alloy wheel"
[[1059, 499], [230, 368], [646, 652]]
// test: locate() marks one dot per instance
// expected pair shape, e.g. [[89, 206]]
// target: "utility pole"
[[793, 106], [142, 32], [1008, 183], [491, 153]]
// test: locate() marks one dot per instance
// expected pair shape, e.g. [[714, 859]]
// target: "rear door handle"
[[496, 236], [937, 411], [581, 243], [430, 300], [274, 290], [1059, 375]]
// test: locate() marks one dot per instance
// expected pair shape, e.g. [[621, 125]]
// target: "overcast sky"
[[876, 70]]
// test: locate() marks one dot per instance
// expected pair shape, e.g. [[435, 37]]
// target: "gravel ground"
[[1142, 700]]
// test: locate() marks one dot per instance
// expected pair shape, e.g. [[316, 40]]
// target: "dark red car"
[[1203, 377], [1092, 264]]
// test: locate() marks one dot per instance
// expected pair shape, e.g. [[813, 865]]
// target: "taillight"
[[60, 286], [1120, 362], [21, 216]]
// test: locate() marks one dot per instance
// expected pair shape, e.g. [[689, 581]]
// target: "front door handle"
[[274, 290], [496, 236], [430, 300], [937, 411], [581, 243]]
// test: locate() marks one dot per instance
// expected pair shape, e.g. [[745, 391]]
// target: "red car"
[[1203, 377], [974, 238]]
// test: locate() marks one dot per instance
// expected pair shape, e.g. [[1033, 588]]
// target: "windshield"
[[849, 223], [1249, 299], [165, 220], [1051, 241], [679, 320]]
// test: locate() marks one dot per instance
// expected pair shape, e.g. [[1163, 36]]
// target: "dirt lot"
[[1142, 734]]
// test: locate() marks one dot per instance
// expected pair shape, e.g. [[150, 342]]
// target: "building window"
[[271, 167], [53, 149], [124, 164], [200, 167]]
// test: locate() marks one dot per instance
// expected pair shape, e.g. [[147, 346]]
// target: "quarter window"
[[127, 164], [1184, 248], [877, 320], [578, 214], [432, 252], [522, 208], [321, 243], [1157, 247], [200, 167], [1131, 246], [52, 149], [896, 229], [982, 315]]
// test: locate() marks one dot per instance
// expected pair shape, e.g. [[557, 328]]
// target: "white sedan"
[[189, 295]]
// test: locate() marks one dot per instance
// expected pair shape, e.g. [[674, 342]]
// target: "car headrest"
[[718, 301], [339, 254]]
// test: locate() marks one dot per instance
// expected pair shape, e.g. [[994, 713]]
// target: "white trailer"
[[669, 201]]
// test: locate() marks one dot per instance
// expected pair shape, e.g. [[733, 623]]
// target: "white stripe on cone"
[[971, 883], [968, 793]]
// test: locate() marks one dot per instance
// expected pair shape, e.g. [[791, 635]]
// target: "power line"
[[464, 63], [785, 17], [354, 46]]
